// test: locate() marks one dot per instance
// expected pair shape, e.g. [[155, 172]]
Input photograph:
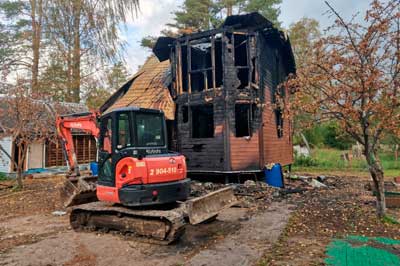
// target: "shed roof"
[[147, 89]]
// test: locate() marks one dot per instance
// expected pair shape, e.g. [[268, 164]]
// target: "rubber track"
[[160, 226]]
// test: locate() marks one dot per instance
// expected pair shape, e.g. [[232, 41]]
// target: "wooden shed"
[[229, 112]]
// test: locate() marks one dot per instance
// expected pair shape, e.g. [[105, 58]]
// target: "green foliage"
[[197, 15], [194, 15], [96, 97], [303, 35], [331, 160], [3, 176], [268, 8], [326, 135], [148, 42], [305, 161], [53, 81], [98, 93], [389, 220], [117, 76]]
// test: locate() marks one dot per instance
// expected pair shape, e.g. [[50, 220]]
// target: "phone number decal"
[[163, 171]]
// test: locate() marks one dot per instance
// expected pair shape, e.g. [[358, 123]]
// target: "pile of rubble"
[[258, 193]]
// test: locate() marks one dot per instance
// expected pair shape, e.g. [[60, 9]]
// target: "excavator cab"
[[135, 166]]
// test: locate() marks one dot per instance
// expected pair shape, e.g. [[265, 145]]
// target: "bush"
[[327, 135], [305, 161], [3, 176]]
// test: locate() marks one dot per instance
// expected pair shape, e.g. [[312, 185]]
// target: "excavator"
[[141, 188]]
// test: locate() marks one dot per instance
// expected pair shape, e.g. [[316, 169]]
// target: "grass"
[[3, 176], [327, 160]]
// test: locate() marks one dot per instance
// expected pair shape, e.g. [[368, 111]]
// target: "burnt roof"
[[252, 22], [147, 89]]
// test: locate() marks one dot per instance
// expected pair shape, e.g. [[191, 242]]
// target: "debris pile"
[[257, 193]]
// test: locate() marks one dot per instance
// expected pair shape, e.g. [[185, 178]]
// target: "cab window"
[[150, 128], [107, 135], [124, 134]]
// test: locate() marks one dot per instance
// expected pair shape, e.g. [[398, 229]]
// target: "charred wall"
[[224, 85], [277, 133]]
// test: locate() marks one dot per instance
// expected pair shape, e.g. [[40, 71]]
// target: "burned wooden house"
[[229, 113]]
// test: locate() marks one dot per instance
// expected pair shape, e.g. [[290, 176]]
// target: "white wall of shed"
[[35, 156], [5, 163]]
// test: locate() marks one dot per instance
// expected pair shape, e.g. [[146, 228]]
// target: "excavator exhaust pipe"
[[78, 190]]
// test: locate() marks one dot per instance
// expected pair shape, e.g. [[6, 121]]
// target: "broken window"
[[185, 114], [200, 65], [278, 93], [202, 121], [244, 116], [279, 122], [245, 61]]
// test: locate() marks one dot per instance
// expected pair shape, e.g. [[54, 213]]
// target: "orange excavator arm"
[[86, 122]]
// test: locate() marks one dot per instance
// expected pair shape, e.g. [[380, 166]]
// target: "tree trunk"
[[76, 53], [19, 177], [36, 18], [376, 172]]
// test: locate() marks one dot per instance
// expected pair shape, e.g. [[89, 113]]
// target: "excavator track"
[[159, 226]]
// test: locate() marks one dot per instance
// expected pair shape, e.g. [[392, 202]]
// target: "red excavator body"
[[135, 167], [136, 175]]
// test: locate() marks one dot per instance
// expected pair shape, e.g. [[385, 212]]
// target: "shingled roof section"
[[150, 89]]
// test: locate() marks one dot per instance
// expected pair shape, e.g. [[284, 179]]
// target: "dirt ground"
[[345, 208], [31, 235], [268, 227]]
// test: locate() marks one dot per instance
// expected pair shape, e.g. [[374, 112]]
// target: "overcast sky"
[[156, 13]]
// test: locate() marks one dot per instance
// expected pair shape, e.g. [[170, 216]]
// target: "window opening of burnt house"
[[202, 121], [245, 58], [278, 94], [244, 119], [185, 114], [199, 64]]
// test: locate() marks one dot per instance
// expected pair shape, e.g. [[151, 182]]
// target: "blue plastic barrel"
[[274, 176], [94, 167]]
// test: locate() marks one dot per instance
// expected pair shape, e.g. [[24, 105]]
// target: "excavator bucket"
[[78, 190], [206, 207]]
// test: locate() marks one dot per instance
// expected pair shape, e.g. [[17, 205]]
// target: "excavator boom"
[[76, 189]]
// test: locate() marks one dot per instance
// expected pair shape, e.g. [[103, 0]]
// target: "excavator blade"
[[78, 190], [203, 208]]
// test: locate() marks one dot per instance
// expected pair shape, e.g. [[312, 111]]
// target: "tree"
[[97, 92], [203, 15], [53, 81], [25, 120], [21, 36], [268, 8], [303, 34], [117, 76], [86, 31], [353, 77], [195, 15]]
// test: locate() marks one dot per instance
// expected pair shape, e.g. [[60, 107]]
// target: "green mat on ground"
[[363, 251]]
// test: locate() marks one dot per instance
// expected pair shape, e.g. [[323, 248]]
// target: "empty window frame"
[[244, 117], [200, 65], [185, 114], [279, 122], [202, 121], [245, 62]]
